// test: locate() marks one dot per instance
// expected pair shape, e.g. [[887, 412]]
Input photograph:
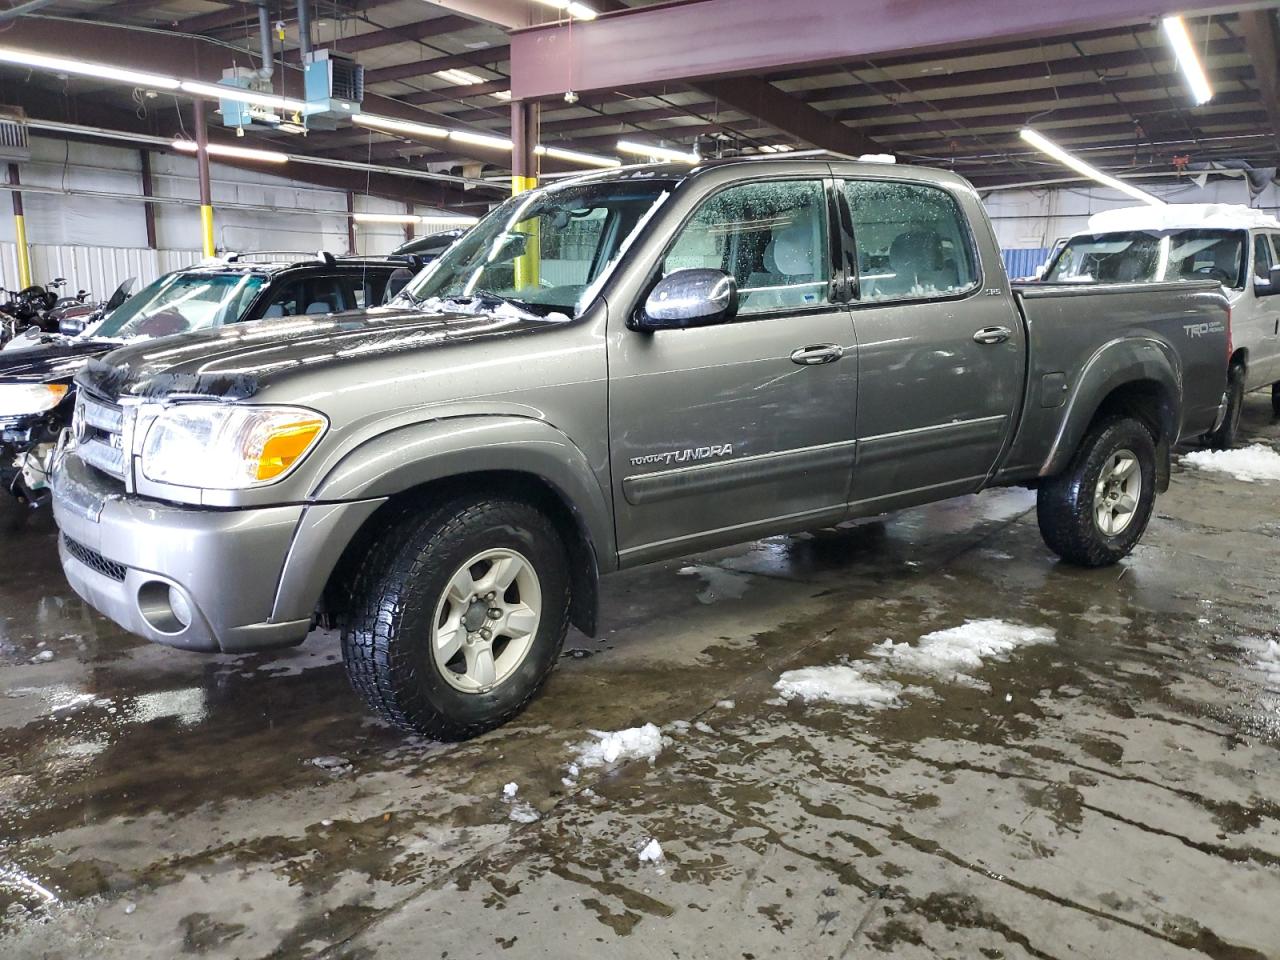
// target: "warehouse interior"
[[1101, 783]]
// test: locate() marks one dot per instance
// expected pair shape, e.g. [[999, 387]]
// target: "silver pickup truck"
[[617, 369]]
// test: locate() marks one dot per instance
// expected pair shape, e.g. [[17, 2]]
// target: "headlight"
[[224, 447], [24, 399]]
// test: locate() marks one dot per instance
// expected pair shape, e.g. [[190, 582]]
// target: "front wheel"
[[457, 616], [1094, 512]]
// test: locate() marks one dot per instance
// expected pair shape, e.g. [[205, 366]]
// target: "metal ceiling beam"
[[1263, 43], [765, 102], [239, 12], [716, 38]]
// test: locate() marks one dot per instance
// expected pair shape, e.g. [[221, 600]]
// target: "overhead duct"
[[304, 30], [264, 33]]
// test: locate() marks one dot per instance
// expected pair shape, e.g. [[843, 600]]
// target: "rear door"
[[724, 432], [941, 348]]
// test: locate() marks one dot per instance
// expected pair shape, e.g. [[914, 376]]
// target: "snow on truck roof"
[[1182, 216]]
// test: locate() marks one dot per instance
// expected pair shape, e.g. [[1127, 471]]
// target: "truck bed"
[[1080, 336]]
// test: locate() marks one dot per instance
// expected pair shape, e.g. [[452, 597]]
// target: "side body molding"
[[1114, 364]]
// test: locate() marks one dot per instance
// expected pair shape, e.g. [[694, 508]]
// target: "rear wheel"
[[1224, 438], [457, 616], [1094, 512]]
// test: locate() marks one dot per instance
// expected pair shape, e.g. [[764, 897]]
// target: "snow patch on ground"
[[850, 685], [1265, 655], [963, 649], [636, 743], [510, 789], [522, 812], [1250, 464], [652, 852]]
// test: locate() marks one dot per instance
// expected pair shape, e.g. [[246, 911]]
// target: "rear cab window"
[[912, 240]]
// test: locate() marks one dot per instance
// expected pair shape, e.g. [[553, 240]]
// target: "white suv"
[[1236, 245]]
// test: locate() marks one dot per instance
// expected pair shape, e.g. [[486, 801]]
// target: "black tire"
[[1275, 399], [1065, 503], [405, 574], [1224, 438]]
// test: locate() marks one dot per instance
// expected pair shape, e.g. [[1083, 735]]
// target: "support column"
[[148, 190], [524, 136], [408, 227], [20, 231], [202, 168], [351, 222], [524, 176]]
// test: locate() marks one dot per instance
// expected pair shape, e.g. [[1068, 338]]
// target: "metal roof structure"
[[1101, 81]]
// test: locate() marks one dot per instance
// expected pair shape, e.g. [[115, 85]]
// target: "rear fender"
[[1114, 365]]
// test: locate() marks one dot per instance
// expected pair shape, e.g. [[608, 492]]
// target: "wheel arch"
[[523, 458], [1137, 378]]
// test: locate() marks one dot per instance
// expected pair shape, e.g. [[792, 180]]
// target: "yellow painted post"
[[206, 229], [20, 232], [529, 263], [524, 136]]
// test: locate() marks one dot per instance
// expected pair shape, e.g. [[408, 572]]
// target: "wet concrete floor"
[[1114, 793]]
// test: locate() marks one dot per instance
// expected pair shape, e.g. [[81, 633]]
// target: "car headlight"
[[24, 399], [224, 447]]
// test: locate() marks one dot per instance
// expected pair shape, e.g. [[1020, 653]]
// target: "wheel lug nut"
[[494, 613], [486, 633]]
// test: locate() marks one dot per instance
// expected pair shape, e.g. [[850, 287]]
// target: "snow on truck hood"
[[1182, 216]]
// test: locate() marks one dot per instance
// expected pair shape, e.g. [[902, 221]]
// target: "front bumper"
[[187, 577]]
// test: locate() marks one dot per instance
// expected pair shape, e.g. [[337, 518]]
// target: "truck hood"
[[238, 361], [57, 362]]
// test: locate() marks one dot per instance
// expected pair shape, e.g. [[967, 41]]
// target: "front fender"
[[410, 456], [1113, 365]]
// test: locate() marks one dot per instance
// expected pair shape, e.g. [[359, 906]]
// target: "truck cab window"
[[770, 236], [1261, 257], [912, 241]]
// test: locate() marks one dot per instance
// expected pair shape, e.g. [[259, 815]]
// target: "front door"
[[725, 432], [941, 352]]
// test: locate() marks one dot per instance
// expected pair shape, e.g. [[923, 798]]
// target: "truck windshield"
[[547, 250], [180, 303], [1150, 256]]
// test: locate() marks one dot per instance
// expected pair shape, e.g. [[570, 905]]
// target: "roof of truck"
[[845, 166], [1182, 216]]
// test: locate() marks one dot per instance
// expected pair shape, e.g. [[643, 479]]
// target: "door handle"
[[991, 335], [817, 353]]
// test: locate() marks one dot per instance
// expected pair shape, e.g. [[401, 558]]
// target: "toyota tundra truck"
[[617, 369]]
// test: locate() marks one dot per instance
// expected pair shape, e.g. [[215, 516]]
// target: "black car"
[[36, 371]]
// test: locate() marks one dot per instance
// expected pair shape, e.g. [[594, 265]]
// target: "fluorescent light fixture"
[[431, 219], [574, 8], [1175, 29], [460, 77], [481, 139], [1045, 145], [84, 68], [448, 220], [238, 153], [657, 153], [384, 218], [504, 95], [392, 125], [223, 91], [575, 156]]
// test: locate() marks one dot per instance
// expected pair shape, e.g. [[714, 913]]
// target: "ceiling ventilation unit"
[[334, 85], [14, 142]]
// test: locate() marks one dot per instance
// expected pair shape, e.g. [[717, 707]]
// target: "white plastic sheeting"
[[1182, 216], [97, 269]]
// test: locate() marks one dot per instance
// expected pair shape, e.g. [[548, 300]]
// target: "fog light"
[[164, 606], [180, 606]]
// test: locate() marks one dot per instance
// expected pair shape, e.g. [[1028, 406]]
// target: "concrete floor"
[[1112, 794]]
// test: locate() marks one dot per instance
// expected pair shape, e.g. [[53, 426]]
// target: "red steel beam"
[[716, 38]]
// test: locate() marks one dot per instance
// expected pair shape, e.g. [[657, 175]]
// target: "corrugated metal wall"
[[96, 269], [1022, 262]]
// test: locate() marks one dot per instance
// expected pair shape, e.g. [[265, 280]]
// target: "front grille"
[[94, 560], [100, 430]]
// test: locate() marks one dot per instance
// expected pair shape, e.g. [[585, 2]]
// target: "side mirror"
[[697, 297], [1269, 287]]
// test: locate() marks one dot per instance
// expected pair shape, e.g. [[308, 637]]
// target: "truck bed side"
[[1165, 343]]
